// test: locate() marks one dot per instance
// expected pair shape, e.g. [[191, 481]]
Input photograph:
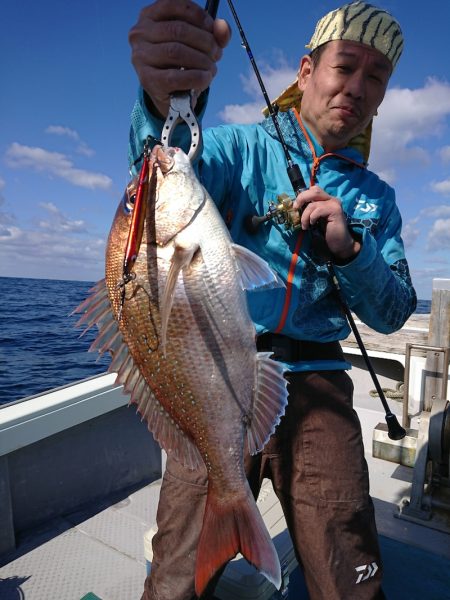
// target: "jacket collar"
[[297, 142]]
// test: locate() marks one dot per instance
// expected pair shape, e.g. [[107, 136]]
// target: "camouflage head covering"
[[363, 23]]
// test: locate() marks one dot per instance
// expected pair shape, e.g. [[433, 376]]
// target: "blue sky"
[[69, 87]]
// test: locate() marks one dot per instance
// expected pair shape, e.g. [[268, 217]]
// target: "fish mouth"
[[164, 158]]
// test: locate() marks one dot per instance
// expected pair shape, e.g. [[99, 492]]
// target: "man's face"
[[343, 91]]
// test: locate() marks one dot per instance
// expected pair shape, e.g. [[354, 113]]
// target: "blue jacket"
[[243, 167]]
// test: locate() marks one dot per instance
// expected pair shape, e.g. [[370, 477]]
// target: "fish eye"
[[129, 198], [129, 203]]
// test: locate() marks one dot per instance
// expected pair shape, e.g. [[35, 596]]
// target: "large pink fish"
[[183, 346]]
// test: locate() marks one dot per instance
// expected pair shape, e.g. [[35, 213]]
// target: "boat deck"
[[100, 551]]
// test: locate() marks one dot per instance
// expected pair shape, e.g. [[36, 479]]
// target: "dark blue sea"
[[40, 348]]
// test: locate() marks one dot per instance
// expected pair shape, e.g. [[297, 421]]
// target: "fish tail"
[[229, 528]]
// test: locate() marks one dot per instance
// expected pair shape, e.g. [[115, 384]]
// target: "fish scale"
[[184, 348]]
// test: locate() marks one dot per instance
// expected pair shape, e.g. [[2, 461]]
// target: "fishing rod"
[[293, 170], [283, 213]]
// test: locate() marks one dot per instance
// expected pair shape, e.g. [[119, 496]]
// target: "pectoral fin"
[[181, 258], [254, 272]]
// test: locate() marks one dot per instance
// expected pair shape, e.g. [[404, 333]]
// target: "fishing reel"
[[281, 211]]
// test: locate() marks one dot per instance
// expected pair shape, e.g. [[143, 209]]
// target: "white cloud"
[[59, 220], [56, 164], [414, 113], [444, 154], [53, 248], [439, 235], [441, 187], [81, 148], [388, 175], [441, 211], [410, 232], [242, 113], [6, 219], [84, 149], [50, 247], [2, 183], [8, 233], [275, 79], [423, 277], [60, 130], [405, 118]]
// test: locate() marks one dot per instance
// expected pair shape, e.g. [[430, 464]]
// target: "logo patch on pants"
[[366, 571]]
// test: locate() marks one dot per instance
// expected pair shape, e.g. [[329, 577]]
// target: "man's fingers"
[[222, 32], [307, 215], [314, 211], [179, 33], [163, 10], [171, 54], [170, 80]]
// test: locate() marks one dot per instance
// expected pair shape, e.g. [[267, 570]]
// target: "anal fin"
[[269, 404]]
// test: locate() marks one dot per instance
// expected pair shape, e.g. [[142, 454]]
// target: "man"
[[316, 457]]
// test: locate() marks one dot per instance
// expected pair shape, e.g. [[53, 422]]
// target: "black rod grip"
[[211, 7], [296, 178], [395, 430]]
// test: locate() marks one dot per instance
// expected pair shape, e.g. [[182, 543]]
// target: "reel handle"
[[252, 222]]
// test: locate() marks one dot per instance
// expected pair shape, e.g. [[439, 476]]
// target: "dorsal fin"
[[269, 403], [164, 429]]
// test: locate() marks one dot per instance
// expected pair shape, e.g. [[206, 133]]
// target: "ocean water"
[[40, 348]]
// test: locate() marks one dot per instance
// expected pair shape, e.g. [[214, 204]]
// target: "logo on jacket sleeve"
[[365, 206]]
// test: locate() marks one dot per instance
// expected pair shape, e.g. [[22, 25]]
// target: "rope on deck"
[[396, 394]]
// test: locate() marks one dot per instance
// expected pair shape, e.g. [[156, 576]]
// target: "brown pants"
[[316, 463]]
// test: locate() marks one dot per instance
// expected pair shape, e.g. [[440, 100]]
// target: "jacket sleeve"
[[377, 284]]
